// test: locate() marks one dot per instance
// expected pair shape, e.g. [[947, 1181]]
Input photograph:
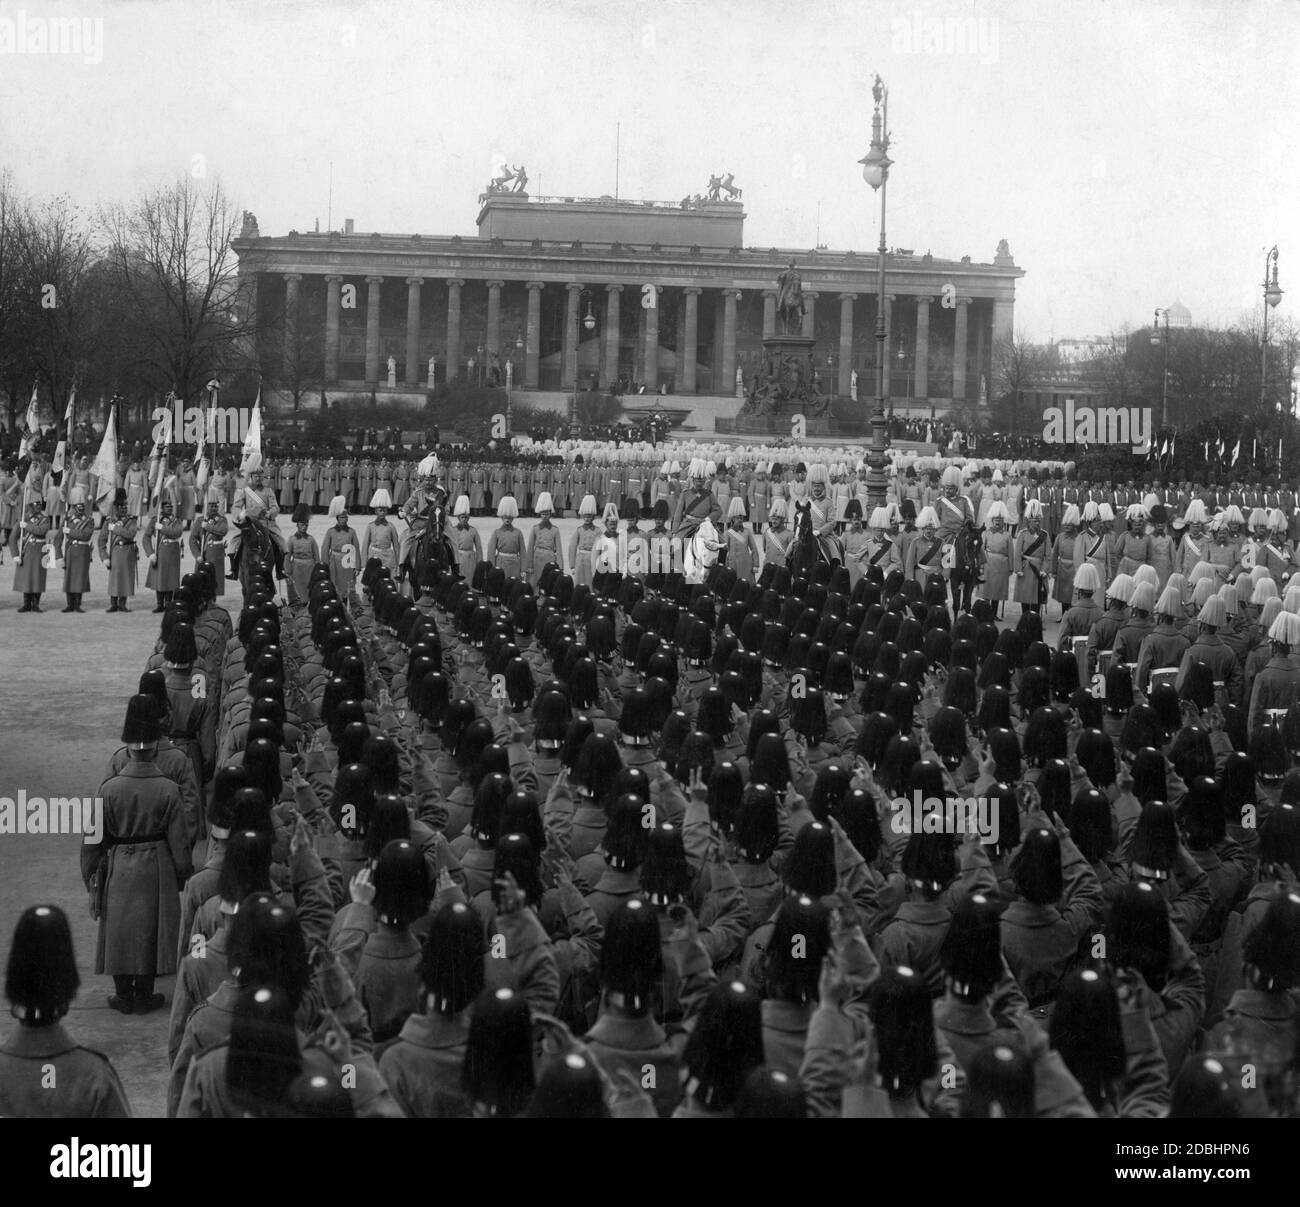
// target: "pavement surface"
[[64, 682]]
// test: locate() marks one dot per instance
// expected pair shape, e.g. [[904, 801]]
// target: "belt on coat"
[[209, 543], [76, 542], [142, 840], [169, 540]]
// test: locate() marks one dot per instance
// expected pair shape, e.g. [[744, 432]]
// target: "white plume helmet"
[[817, 472], [879, 518], [1265, 589], [1105, 512], [462, 506], [1291, 601], [1170, 602], [710, 469], [1121, 587], [544, 502], [997, 475], [1276, 520], [777, 509], [338, 506], [1033, 509], [1271, 611], [928, 518], [1202, 590], [588, 506], [1143, 597], [1285, 628], [1086, 578], [1090, 511], [1228, 593], [998, 510], [1258, 517], [736, 508], [666, 468], [428, 467], [1196, 512], [508, 509], [252, 463], [1179, 583], [951, 477], [381, 498], [1199, 571], [1137, 512], [610, 513], [1146, 574], [675, 467], [1149, 501], [1213, 612], [1232, 514]]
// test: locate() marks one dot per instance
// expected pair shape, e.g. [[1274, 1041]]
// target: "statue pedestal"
[[784, 387]]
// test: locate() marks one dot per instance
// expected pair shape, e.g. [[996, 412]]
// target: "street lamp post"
[[519, 348], [875, 171], [1158, 338], [1272, 296]]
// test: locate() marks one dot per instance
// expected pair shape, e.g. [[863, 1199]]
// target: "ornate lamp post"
[[875, 171], [1157, 337], [1272, 296]]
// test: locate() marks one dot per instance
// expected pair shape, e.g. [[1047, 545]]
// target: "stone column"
[[691, 342], [809, 313], [291, 303], [922, 388], [769, 313], [332, 284], [727, 385], [652, 344], [959, 352], [413, 330], [613, 323], [1003, 319], [453, 328], [845, 382], [373, 286], [569, 373], [532, 339], [492, 339]]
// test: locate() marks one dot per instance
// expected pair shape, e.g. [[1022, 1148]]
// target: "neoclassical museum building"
[[568, 293]]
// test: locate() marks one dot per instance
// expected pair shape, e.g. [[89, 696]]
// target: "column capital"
[[692, 291], [769, 293], [923, 299], [374, 280], [617, 289], [964, 301], [333, 278], [455, 282], [293, 276], [575, 286], [891, 297], [535, 284], [811, 293], [415, 280], [848, 297], [495, 284]]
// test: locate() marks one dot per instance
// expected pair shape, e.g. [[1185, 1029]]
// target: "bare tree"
[[177, 282], [1017, 362], [14, 364]]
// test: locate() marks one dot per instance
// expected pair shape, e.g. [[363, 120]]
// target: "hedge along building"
[[576, 292]]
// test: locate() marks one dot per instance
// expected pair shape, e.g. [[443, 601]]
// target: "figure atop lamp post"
[[875, 171]]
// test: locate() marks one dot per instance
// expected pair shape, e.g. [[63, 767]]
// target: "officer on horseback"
[[821, 513], [256, 508], [699, 504], [425, 513]]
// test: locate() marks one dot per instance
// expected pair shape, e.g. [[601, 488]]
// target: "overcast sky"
[[1130, 151]]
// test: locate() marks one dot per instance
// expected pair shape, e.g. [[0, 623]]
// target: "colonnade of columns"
[[688, 342]]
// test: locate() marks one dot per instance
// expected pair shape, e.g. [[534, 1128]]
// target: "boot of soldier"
[[76, 600], [159, 607], [27, 603], [121, 599], [112, 603], [36, 602], [71, 603]]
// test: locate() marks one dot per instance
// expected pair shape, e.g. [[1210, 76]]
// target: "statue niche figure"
[[789, 299]]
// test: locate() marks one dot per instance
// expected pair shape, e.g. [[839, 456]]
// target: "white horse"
[[701, 551]]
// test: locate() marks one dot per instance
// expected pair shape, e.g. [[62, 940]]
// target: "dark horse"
[[967, 570], [256, 554], [807, 548], [430, 554]]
